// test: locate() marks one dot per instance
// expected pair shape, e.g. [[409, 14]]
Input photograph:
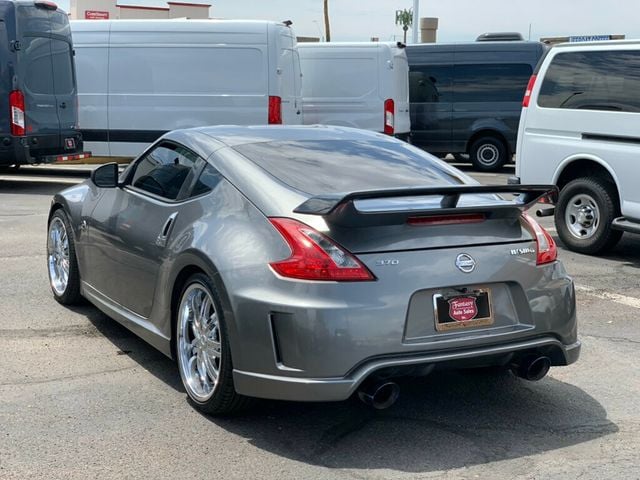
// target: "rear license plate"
[[69, 143], [463, 311]]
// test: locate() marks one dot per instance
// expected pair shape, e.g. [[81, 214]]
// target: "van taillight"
[[46, 5], [16, 112], [275, 111], [389, 111], [527, 93]]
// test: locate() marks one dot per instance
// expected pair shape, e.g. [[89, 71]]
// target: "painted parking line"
[[614, 297]]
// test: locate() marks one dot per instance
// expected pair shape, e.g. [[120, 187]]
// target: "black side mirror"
[[105, 176]]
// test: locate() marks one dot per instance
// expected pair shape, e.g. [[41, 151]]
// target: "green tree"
[[404, 18], [327, 29]]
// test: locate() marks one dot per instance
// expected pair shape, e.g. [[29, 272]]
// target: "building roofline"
[[187, 4], [142, 7]]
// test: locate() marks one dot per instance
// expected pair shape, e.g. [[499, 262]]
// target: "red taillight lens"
[[314, 256], [527, 92], [389, 113], [446, 219], [546, 249], [46, 4], [275, 111], [16, 112]]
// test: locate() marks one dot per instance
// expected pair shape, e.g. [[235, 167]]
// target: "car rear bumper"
[[37, 148], [337, 389]]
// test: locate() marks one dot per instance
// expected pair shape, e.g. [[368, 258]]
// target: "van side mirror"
[[105, 176]]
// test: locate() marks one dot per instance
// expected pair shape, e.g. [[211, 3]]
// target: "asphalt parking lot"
[[81, 397]]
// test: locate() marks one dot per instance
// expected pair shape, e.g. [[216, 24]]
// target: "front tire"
[[585, 211], [202, 349], [62, 265], [488, 154]]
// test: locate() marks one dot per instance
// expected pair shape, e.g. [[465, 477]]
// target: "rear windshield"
[[336, 166]]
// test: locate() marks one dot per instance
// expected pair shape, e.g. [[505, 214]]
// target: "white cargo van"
[[138, 79], [580, 130], [361, 85]]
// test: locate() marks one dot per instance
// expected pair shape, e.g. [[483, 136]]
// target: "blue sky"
[[459, 19]]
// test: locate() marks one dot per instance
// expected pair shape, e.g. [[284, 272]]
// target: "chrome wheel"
[[199, 342], [58, 256], [488, 154], [582, 216]]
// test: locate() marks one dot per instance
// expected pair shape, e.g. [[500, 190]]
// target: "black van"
[[466, 98], [38, 95]]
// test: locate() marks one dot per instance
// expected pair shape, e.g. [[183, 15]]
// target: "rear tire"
[[488, 154], [203, 352], [62, 264], [584, 213]]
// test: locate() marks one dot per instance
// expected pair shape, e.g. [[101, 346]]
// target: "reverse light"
[[275, 110], [389, 112], [546, 249], [16, 113], [527, 92], [314, 256]]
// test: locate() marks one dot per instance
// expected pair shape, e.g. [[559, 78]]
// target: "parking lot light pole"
[[416, 21]]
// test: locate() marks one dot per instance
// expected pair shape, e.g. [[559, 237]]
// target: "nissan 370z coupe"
[[310, 263]]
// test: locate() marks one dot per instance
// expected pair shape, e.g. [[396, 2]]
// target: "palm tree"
[[327, 29], [404, 18]]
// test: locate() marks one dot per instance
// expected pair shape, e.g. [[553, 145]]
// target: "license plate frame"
[[482, 303]]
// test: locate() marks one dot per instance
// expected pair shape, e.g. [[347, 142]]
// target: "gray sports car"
[[310, 263]]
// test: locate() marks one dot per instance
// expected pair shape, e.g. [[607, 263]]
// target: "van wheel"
[[584, 213], [203, 351], [488, 154]]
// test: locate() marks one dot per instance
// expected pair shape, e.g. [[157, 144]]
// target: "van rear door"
[[402, 120], [289, 78]]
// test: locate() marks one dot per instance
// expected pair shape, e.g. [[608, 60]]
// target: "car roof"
[[602, 43], [233, 135]]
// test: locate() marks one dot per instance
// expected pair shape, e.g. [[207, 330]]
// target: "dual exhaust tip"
[[381, 394]]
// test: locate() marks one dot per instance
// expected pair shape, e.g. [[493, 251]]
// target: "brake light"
[[527, 92], [46, 4], [546, 249], [275, 111], [16, 112], [389, 112], [446, 219], [314, 256]]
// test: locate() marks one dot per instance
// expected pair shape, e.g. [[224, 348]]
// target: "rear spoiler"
[[339, 208]]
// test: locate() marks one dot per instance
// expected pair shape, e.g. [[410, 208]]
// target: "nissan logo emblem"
[[465, 263]]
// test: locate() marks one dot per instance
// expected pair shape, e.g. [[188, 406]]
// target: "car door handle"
[[63, 105], [161, 241]]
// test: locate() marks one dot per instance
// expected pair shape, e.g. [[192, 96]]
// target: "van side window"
[[207, 182], [430, 84], [596, 80], [490, 82], [166, 171]]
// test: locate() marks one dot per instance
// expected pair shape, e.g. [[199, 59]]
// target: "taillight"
[[16, 112], [527, 92], [314, 256], [446, 219], [546, 249], [275, 111], [389, 112], [46, 5]]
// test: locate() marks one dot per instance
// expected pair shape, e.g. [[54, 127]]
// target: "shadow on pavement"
[[130, 344], [34, 186], [445, 421]]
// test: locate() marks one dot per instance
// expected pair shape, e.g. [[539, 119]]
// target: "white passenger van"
[[580, 130], [138, 79], [361, 85]]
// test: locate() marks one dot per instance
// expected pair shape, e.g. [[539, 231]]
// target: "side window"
[[430, 84], [596, 80], [166, 171], [490, 83], [207, 182]]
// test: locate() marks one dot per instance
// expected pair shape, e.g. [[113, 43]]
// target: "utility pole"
[[416, 21]]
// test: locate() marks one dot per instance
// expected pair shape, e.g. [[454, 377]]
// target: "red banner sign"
[[95, 15]]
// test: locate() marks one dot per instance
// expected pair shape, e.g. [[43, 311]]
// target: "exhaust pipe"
[[532, 368], [379, 395]]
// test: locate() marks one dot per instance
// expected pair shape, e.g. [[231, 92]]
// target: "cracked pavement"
[[82, 397]]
